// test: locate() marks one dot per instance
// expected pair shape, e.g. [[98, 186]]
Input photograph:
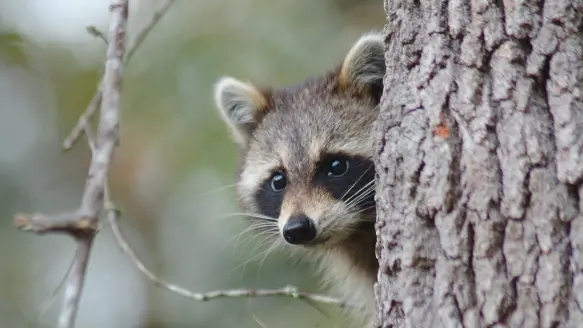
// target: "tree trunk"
[[480, 165]]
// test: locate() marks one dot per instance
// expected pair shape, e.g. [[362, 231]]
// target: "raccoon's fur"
[[306, 167]]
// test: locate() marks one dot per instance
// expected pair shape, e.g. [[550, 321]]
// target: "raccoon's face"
[[306, 167]]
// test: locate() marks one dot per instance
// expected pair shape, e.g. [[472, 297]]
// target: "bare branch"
[[73, 137], [83, 120], [288, 291], [92, 201], [141, 36], [75, 283], [70, 223], [102, 155]]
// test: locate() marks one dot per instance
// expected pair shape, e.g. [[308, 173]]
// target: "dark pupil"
[[278, 182], [338, 167]]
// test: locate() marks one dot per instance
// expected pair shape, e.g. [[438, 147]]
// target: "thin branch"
[[74, 287], [69, 223], [49, 301], [288, 291], [84, 119], [141, 36], [92, 201]]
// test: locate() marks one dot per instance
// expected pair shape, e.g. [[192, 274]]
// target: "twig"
[[141, 36], [69, 223], [84, 119], [288, 291], [96, 33]]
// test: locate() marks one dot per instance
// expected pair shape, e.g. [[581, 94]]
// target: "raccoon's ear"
[[363, 67], [239, 103]]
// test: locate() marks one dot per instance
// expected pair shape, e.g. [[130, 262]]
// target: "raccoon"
[[306, 171]]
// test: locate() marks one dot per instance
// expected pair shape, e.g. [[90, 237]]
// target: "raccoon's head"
[[306, 150]]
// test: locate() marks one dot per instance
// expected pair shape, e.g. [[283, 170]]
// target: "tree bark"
[[480, 165]]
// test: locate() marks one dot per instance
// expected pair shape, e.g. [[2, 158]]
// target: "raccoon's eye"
[[278, 181], [338, 167]]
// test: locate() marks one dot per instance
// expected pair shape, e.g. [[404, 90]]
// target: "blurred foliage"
[[174, 162]]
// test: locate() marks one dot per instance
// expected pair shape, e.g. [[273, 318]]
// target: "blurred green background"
[[173, 172]]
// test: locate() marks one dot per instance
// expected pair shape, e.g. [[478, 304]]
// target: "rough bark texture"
[[480, 165]]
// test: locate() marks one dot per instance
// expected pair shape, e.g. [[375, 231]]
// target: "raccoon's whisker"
[[363, 197], [350, 201], [261, 224], [336, 228], [252, 258], [260, 228], [268, 234], [240, 234], [225, 216], [352, 204], [359, 207], [363, 209], [221, 217], [253, 215], [263, 230], [357, 193], [269, 250], [210, 192], [354, 184], [362, 194]]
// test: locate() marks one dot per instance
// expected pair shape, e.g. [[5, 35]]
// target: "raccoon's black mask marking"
[[268, 200], [349, 187]]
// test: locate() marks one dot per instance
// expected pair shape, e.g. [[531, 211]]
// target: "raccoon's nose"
[[299, 230]]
